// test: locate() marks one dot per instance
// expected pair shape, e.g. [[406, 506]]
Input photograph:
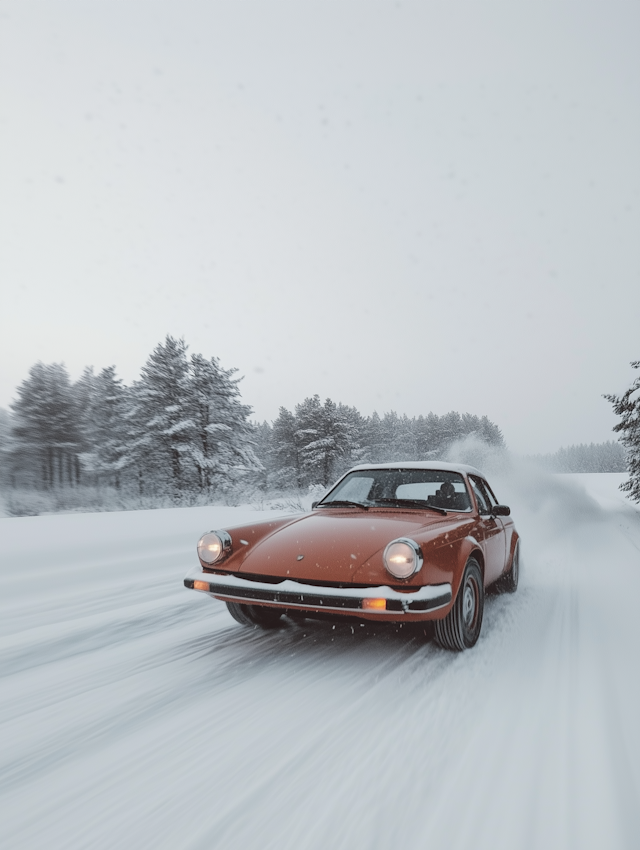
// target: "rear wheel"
[[255, 615], [509, 581], [460, 629]]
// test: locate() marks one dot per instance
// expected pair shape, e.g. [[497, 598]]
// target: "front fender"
[[457, 554]]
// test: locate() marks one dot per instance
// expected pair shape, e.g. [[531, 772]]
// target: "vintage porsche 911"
[[401, 542]]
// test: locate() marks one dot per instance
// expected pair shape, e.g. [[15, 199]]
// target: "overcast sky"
[[415, 206]]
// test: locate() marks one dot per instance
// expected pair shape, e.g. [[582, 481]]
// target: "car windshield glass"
[[411, 487]]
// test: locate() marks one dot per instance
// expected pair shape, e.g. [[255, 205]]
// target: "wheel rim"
[[469, 603], [515, 569]]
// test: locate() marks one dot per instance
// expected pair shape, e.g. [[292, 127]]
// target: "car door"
[[490, 531]]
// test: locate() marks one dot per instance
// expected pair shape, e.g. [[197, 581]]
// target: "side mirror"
[[501, 510], [314, 505]]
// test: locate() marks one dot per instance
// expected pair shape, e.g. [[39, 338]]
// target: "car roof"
[[422, 464]]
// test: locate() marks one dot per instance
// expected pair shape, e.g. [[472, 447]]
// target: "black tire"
[[460, 629], [255, 615], [509, 581]]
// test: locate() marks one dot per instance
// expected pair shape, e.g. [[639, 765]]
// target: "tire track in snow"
[[189, 731], [236, 653]]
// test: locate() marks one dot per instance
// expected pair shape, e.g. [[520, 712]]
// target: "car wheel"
[[460, 629], [255, 615], [509, 581]]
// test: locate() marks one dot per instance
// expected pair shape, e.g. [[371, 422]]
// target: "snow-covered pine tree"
[[408, 443], [311, 439], [490, 433], [451, 428], [326, 437], [284, 460], [5, 447], [357, 449], [390, 428], [398, 437], [374, 439], [262, 442], [161, 421], [627, 407], [46, 440], [221, 446], [428, 437], [103, 402]]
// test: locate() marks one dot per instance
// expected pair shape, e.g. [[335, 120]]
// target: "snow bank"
[[137, 714]]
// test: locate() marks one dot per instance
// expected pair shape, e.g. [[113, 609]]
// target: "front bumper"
[[295, 594]]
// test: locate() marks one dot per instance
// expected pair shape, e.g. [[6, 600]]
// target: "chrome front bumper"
[[294, 594]]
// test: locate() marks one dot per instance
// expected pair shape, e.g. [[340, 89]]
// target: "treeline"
[[182, 431], [180, 428], [318, 441], [592, 457]]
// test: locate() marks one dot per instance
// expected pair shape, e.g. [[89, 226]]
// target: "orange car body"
[[331, 560]]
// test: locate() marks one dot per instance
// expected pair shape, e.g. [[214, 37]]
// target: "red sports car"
[[399, 542]]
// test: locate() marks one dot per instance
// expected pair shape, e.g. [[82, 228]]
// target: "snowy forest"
[[585, 457], [181, 434]]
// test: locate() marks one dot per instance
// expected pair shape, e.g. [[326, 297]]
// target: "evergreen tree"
[[262, 443], [162, 418], [103, 402], [428, 436], [285, 459], [5, 447], [627, 407], [490, 433], [357, 448], [391, 441], [374, 439], [316, 440], [222, 442], [451, 428], [327, 436], [45, 429]]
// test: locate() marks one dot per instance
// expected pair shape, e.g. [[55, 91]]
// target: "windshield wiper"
[[412, 503], [342, 503]]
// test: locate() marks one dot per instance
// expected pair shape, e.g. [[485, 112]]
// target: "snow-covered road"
[[137, 714]]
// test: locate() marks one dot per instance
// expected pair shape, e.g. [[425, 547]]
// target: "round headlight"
[[213, 545], [402, 557]]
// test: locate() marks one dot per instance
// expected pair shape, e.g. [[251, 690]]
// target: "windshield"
[[405, 487]]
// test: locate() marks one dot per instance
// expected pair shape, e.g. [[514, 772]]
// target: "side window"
[[491, 494], [491, 499], [481, 498]]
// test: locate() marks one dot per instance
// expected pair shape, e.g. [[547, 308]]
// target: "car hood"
[[334, 545]]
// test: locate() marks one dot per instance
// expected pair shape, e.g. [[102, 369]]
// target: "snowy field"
[[137, 714]]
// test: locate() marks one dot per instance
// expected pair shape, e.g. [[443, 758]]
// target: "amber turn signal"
[[201, 585], [374, 604]]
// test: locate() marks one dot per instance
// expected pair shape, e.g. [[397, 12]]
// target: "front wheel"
[[460, 629], [255, 615]]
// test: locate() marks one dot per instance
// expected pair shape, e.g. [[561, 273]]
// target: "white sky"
[[413, 206]]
